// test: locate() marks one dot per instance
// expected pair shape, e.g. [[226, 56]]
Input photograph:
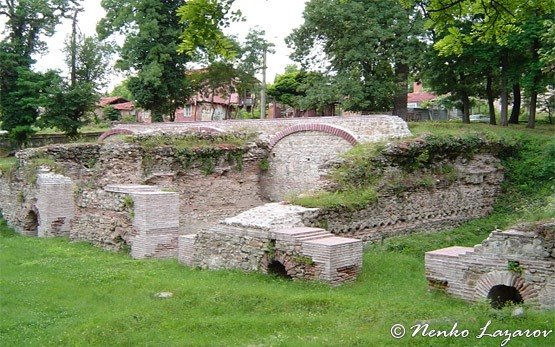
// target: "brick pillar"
[[156, 221], [55, 204]]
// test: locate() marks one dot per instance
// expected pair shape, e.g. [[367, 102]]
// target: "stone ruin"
[[516, 265], [272, 239], [114, 195]]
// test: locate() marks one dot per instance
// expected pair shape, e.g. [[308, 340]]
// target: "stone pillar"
[[55, 205]]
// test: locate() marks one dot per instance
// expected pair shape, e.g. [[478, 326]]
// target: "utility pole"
[[263, 90], [73, 49]]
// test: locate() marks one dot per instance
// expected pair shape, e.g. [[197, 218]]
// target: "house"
[[125, 107], [420, 107], [206, 108], [419, 98]]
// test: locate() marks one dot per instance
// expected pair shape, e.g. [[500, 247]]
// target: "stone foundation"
[[155, 220], [520, 259], [443, 205], [303, 253]]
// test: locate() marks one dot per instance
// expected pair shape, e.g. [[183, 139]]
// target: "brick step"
[[319, 235]]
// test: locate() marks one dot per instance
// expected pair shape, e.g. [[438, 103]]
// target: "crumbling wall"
[[424, 200], [212, 184], [522, 257]]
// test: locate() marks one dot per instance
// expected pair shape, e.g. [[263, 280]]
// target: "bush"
[[111, 113]]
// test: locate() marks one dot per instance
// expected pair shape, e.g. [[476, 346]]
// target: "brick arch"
[[325, 128], [114, 132], [506, 278]]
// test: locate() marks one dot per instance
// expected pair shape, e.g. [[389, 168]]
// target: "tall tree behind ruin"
[[374, 43], [151, 29], [21, 87]]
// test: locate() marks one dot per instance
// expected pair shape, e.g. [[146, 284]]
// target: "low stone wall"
[[519, 259], [272, 243], [470, 193], [362, 128]]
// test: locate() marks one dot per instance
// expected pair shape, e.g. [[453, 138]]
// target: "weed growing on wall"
[[424, 162], [201, 150]]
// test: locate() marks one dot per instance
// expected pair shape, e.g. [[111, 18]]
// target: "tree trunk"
[[466, 107], [515, 113], [532, 112], [504, 92], [491, 99], [400, 99], [535, 82]]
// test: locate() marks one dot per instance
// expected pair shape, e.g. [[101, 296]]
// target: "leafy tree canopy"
[[152, 32]]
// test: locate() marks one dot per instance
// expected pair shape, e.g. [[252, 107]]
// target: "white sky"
[[277, 17]]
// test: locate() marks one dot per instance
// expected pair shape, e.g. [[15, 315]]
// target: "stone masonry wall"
[[101, 217], [363, 128], [304, 253], [297, 163], [443, 204], [470, 272]]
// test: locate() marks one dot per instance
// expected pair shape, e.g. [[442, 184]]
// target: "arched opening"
[[278, 269], [31, 223], [502, 295]]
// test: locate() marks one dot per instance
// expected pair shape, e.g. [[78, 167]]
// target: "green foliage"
[[514, 266], [203, 36], [264, 165], [349, 199], [303, 260], [368, 45], [7, 164], [203, 149], [22, 89], [122, 90], [111, 113], [151, 30], [498, 20]]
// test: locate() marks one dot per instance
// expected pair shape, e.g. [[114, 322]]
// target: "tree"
[[122, 90], [369, 46], [68, 100], [306, 91], [499, 23], [20, 86], [203, 37], [152, 34]]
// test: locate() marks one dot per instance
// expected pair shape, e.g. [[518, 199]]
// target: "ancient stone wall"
[[231, 185], [444, 202], [297, 163], [265, 244], [363, 128], [521, 259]]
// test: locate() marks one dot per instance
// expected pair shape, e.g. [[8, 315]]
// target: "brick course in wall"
[[55, 205], [441, 206]]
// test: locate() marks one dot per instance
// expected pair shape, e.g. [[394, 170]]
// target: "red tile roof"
[[124, 106], [420, 97], [110, 100]]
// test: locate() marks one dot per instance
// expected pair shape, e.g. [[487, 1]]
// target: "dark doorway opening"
[[278, 269], [502, 295], [31, 223]]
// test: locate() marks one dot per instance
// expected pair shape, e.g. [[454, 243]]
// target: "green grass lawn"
[[57, 293]]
